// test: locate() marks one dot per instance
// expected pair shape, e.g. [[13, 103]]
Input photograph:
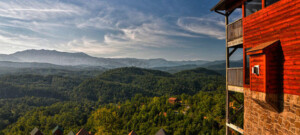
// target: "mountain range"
[[61, 60], [82, 59]]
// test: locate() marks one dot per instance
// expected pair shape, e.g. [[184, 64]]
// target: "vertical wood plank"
[[263, 4], [227, 66]]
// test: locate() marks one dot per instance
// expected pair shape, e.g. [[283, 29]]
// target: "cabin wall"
[[279, 21]]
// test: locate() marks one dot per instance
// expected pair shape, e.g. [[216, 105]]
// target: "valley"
[[72, 101]]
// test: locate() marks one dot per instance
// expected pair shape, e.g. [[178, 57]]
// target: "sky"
[[169, 29]]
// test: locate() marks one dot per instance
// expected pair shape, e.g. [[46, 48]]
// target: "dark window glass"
[[252, 6], [270, 2], [247, 68]]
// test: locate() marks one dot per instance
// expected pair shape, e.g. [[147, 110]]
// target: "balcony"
[[235, 79], [235, 33]]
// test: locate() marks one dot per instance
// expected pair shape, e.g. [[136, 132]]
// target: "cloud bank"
[[104, 28], [205, 26]]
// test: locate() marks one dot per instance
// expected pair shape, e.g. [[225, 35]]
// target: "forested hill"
[[39, 100], [123, 83], [198, 71], [202, 113]]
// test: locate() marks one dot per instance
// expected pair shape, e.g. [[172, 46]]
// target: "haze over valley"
[[117, 67], [41, 59]]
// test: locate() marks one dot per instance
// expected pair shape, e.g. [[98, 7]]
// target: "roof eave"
[[222, 5], [219, 4]]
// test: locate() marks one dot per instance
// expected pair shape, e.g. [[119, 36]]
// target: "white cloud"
[[209, 26], [133, 28], [115, 17], [10, 43], [89, 46], [48, 24], [37, 10], [38, 18], [145, 35]]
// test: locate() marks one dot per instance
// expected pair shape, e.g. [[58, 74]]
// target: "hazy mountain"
[[176, 69], [7, 67], [82, 59], [220, 65], [4, 57], [63, 58], [9, 64], [152, 63], [35, 65]]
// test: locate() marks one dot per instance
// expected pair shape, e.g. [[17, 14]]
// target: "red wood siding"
[[257, 81], [281, 21]]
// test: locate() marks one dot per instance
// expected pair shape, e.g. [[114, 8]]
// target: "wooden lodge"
[[132, 133], [58, 130], [84, 132], [71, 133], [173, 100], [36, 131], [268, 33], [161, 132]]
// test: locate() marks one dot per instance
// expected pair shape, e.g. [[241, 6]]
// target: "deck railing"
[[235, 30], [235, 76]]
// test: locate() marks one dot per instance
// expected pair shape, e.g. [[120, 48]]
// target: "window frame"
[[265, 2], [247, 67], [245, 13]]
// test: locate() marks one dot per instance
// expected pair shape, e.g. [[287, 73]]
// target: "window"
[[255, 70], [252, 6], [270, 2], [247, 67]]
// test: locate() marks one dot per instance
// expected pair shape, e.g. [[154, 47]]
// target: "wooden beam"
[[235, 99], [236, 5], [236, 88], [263, 4], [220, 12], [234, 49], [236, 128], [229, 13], [243, 12], [227, 66], [235, 42], [238, 111]]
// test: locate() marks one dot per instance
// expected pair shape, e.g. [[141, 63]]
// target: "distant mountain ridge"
[[52, 59], [77, 59]]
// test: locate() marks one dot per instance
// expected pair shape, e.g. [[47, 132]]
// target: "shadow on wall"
[[274, 88]]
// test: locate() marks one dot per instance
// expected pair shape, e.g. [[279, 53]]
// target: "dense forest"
[[113, 102]]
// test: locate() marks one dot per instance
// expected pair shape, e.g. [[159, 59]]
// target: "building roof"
[[71, 133], [83, 132], [132, 133], [35, 131], [219, 6], [227, 5], [173, 98], [58, 128], [161, 132], [260, 48]]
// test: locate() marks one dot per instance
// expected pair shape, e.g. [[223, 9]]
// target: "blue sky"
[[170, 29]]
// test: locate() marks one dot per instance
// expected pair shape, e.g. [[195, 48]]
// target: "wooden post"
[[227, 66]]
